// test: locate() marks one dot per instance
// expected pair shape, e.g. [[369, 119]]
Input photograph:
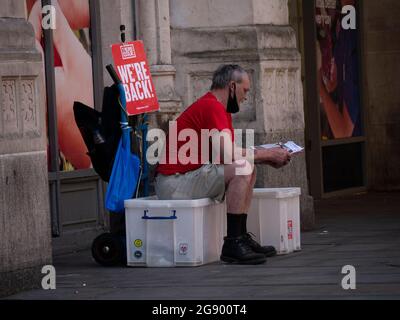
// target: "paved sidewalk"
[[363, 231]]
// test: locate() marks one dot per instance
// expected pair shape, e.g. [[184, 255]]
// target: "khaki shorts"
[[206, 182]]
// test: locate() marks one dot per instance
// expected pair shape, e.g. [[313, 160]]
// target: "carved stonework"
[[270, 88], [29, 108], [281, 88], [10, 118], [292, 88], [165, 92], [282, 95], [19, 106]]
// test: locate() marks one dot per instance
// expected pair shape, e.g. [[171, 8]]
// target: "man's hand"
[[275, 157]]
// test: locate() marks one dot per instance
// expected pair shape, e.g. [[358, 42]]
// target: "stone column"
[[111, 15], [255, 34], [25, 235], [154, 30]]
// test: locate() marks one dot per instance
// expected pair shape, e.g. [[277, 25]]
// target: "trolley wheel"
[[108, 250]]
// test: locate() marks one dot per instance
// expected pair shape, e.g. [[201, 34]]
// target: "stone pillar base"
[[25, 234], [20, 280]]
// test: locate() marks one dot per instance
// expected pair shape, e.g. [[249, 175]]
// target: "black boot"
[[268, 251], [236, 250]]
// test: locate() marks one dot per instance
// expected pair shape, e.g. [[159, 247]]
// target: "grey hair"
[[225, 74]]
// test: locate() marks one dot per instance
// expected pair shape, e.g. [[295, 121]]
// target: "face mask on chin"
[[232, 105]]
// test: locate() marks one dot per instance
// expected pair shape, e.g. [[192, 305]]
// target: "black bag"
[[101, 131]]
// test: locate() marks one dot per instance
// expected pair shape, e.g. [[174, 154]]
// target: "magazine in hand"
[[290, 146]]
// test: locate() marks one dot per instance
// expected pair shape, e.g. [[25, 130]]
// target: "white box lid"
[[276, 193], [153, 202]]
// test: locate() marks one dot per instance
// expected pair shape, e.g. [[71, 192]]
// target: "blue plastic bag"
[[125, 175], [126, 168]]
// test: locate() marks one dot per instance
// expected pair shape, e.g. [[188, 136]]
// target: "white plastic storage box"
[[274, 218], [168, 233]]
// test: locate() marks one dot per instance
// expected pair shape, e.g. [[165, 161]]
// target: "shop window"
[[337, 71], [69, 63]]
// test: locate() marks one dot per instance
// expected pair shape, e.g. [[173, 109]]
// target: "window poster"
[[338, 69], [70, 24]]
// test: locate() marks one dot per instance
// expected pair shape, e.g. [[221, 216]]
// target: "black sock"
[[234, 225], [244, 223]]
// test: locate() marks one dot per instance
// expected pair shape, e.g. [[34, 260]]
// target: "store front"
[[73, 72], [333, 93]]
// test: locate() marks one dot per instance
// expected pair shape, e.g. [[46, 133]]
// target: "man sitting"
[[233, 176]]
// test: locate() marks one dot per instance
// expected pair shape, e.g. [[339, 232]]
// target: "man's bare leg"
[[250, 192], [236, 248], [239, 187], [239, 195]]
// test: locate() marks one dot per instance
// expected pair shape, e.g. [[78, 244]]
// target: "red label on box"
[[290, 229], [133, 70], [183, 248]]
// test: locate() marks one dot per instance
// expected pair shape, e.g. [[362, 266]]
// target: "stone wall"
[[24, 196]]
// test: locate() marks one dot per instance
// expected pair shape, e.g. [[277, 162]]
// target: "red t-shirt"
[[206, 113]]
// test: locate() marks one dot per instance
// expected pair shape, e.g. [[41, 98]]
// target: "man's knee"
[[244, 172], [239, 169], [244, 168]]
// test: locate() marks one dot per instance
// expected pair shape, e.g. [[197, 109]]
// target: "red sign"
[[133, 70], [290, 229]]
